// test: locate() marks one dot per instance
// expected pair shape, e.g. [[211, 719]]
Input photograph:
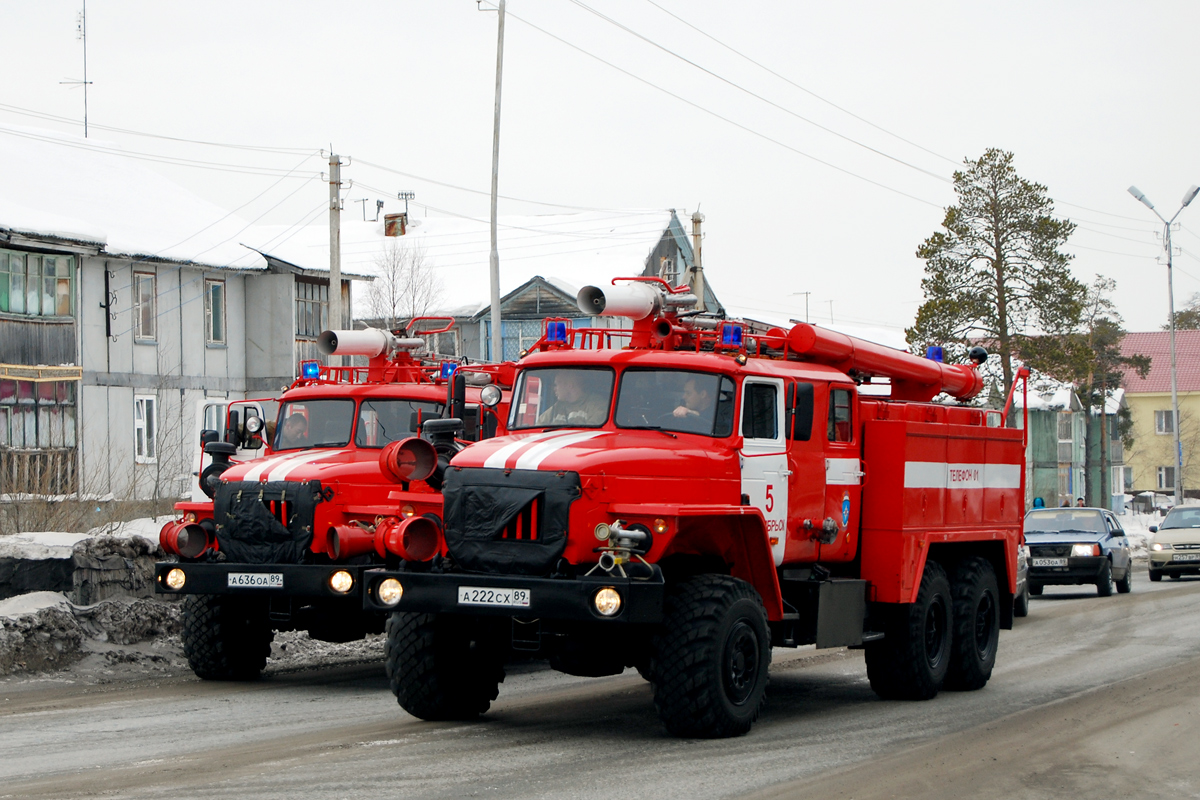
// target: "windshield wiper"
[[658, 428], [327, 444]]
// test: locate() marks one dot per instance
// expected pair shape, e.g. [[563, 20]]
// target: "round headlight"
[[341, 581], [607, 601], [189, 516], [660, 526], [407, 510], [254, 424], [389, 591], [490, 395], [175, 579], [603, 532]]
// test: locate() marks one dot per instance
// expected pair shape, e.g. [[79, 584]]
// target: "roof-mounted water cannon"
[[651, 303], [912, 377], [370, 342]]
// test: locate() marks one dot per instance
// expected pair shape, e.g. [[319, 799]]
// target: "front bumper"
[[298, 580], [1079, 569], [1166, 563], [550, 598]]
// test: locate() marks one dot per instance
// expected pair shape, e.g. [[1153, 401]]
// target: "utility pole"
[[335, 249], [698, 269], [497, 342], [1188, 197], [806, 296]]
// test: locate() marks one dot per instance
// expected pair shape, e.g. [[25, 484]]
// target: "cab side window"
[[840, 410], [799, 416], [759, 417]]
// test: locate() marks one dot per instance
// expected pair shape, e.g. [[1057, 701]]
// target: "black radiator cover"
[[480, 502], [247, 532]]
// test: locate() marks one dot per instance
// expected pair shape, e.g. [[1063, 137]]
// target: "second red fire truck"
[[351, 480], [686, 502]]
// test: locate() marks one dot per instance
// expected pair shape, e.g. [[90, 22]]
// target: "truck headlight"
[[607, 601], [175, 579], [490, 395], [341, 581], [389, 591], [1085, 550]]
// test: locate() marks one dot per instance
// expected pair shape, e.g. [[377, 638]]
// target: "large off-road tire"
[[442, 666], [911, 661], [1021, 603], [711, 658], [976, 624], [225, 638], [1125, 585], [1104, 583]]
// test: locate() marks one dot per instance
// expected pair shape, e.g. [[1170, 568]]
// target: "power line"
[[801, 88], [55, 118], [756, 96], [712, 113]]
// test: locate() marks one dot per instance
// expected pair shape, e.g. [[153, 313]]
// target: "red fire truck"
[[350, 481], [684, 503]]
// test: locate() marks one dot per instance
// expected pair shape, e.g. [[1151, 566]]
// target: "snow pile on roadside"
[[42, 630], [1137, 530]]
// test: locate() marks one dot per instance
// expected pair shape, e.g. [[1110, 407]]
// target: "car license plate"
[[481, 596], [1188, 557], [255, 580], [1049, 562]]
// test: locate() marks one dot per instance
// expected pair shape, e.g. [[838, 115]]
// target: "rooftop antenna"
[[81, 27]]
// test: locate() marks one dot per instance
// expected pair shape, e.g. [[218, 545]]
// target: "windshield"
[[381, 422], [314, 423], [1078, 520], [1181, 518], [675, 400], [562, 397]]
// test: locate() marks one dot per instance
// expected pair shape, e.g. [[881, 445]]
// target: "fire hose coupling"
[[829, 531], [625, 544]]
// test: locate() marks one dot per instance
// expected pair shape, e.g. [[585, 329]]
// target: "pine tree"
[[995, 271]]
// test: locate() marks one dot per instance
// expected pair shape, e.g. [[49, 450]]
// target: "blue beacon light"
[[448, 369], [556, 332], [310, 370], [731, 335]]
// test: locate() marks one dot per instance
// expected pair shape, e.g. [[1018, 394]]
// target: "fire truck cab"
[[684, 503]]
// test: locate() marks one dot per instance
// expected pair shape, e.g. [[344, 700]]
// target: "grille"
[[1050, 550], [1187, 547], [524, 527], [261, 523]]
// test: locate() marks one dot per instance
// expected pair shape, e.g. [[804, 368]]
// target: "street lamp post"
[[1188, 197]]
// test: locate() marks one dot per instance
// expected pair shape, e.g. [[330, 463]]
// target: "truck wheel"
[[439, 668], [910, 662], [1125, 585], [1021, 604], [976, 624], [225, 638], [1104, 583], [711, 657]]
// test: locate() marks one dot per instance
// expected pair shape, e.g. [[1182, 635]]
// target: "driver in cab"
[[294, 432], [573, 403]]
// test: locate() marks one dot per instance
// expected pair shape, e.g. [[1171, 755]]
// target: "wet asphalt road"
[[1089, 695]]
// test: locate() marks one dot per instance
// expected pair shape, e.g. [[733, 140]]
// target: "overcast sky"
[[825, 183]]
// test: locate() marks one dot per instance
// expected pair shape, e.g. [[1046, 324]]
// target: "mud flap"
[[841, 612]]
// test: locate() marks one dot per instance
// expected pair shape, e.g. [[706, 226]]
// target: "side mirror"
[[233, 427], [208, 435], [1154, 529]]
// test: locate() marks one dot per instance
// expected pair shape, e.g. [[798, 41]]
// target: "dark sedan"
[[1078, 546]]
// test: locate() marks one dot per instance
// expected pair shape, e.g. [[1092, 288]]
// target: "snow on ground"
[[59, 544], [25, 604]]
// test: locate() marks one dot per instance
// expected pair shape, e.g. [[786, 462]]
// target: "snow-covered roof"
[[61, 186]]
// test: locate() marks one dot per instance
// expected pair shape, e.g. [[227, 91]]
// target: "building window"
[[214, 311], [36, 285], [145, 429], [37, 415], [312, 307], [144, 303], [1164, 422], [1166, 477]]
